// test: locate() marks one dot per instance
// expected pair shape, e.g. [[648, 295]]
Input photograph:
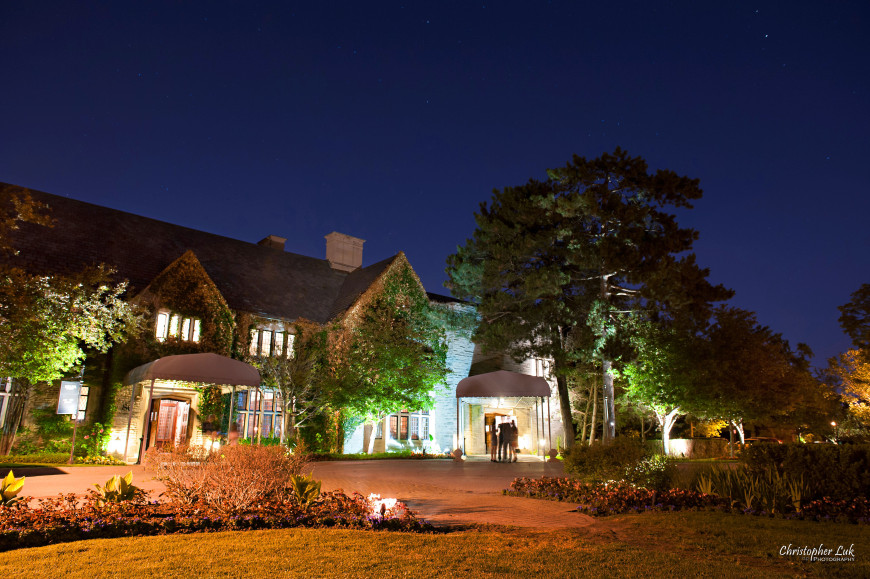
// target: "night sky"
[[392, 122]]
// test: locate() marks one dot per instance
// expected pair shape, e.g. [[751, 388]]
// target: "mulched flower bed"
[[614, 498], [64, 519]]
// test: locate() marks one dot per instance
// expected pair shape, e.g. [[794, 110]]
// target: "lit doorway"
[[491, 420], [169, 422]]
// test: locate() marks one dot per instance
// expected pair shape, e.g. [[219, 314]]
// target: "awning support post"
[[456, 442], [549, 425], [129, 420], [147, 423]]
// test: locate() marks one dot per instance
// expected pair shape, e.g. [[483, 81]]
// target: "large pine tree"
[[555, 265]]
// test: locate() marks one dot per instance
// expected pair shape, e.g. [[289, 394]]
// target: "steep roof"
[[252, 278]]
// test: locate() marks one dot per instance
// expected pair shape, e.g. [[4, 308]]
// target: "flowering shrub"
[[95, 440], [64, 519], [856, 509], [611, 498]]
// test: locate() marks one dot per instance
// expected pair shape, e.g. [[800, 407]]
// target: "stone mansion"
[[274, 288]]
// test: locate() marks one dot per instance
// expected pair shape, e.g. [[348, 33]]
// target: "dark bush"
[[625, 459], [839, 472], [601, 499]]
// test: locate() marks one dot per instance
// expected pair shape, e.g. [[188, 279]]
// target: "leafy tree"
[[298, 376], [852, 370], [855, 318], [387, 354], [47, 322], [556, 265], [752, 374], [665, 374]]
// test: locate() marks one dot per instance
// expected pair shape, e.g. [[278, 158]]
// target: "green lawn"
[[648, 545]]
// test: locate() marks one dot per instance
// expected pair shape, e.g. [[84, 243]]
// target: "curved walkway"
[[454, 493], [442, 492]]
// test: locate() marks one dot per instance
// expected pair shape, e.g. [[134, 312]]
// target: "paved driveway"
[[441, 491]]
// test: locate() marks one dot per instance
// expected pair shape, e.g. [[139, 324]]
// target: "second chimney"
[[344, 252], [273, 241]]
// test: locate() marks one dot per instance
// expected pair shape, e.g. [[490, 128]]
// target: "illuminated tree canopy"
[[389, 354], [47, 322], [556, 266]]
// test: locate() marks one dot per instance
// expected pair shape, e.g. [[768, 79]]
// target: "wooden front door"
[[170, 424]]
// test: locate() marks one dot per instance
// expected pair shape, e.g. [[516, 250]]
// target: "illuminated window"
[[83, 402], [279, 343], [254, 343], [258, 414], [409, 426], [162, 325], [266, 343], [270, 343], [171, 325]]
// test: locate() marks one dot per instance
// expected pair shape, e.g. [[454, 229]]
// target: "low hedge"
[[614, 498], [41, 458], [838, 472], [402, 454]]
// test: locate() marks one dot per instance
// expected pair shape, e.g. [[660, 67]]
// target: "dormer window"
[[171, 325]]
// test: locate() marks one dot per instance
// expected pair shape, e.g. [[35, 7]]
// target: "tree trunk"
[[642, 430], [339, 435], [14, 412], [589, 396], [609, 410], [667, 422], [107, 394], [739, 426], [731, 437], [371, 444], [592, 424], [565, 409]]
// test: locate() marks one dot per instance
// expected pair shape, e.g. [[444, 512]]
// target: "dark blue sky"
[[392, 122]]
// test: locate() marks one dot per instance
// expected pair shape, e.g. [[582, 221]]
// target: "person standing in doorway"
[[493, 442], [515, 439], [504, 437]]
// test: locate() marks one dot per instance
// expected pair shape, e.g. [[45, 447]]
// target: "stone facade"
[[536, 433]]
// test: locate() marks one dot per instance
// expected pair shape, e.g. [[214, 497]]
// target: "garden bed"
[[65, 519], [612, 498]]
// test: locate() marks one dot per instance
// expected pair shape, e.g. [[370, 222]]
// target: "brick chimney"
[[344, 252], [273, 241]]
